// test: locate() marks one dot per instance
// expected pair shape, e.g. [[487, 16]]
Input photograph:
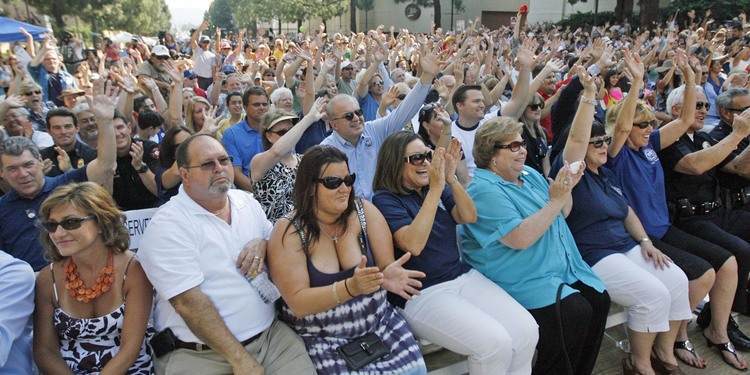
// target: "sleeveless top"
[[87, 344], [325, 331], [274, 190]]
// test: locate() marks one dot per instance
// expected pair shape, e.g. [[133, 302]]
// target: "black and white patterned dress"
[[274, 190], [88, 344]]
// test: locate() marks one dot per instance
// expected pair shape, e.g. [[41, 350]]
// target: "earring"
[[494, 163]]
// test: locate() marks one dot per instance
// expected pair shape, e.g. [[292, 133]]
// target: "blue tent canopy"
[[9, 30]]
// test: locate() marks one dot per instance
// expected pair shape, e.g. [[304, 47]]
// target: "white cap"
[[160, 50]]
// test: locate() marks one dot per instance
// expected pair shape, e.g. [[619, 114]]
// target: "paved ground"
[[610, 357]]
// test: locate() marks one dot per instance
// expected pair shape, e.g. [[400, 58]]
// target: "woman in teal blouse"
[[521, 242]]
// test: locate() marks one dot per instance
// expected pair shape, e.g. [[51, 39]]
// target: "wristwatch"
[[142, 169]]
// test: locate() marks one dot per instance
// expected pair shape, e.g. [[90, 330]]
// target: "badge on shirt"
[[705, 145], [80, 163], [651, 155]]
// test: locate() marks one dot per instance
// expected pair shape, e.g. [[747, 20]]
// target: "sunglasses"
[[418, 159], [536, 106], [281, 132], [380, 83], [701, 105], [513, 146], [349, 116], [67, 224], [333, 182], [35, 92], [208, 166], [646, 124], [735, 110], [601, 141], [401, 96], [162, 57]]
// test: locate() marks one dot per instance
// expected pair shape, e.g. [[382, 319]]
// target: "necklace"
[[334, 238], [78, 289]]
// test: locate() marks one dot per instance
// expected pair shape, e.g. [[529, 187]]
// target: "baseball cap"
[[189, 74], [204, 38], [160, 50]]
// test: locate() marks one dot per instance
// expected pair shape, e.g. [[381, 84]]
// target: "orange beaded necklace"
[[78, 289]]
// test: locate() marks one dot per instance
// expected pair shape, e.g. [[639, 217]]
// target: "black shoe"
[[704, 318], [736, 336]]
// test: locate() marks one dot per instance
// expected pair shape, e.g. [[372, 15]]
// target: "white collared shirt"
[[187, 246]]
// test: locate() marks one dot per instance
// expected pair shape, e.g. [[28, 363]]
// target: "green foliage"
[[365, 5], [245, 12], [586, 20], [721, 10], [220, 14], [145, 17]]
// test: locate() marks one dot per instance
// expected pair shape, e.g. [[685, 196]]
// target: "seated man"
[[21, 168], [18, 124], [63, 127], [17, 294], [734, 176], [134, 184], [193, 255]]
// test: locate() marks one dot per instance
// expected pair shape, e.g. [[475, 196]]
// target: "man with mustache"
[[201, 249]]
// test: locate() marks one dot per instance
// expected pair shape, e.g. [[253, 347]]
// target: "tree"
[[353, 15], [458, 6], [142, 16], [649, 12], [60, 8], [367, 6], [220, 14]]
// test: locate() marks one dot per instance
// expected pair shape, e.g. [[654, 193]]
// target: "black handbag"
[[363, 350]]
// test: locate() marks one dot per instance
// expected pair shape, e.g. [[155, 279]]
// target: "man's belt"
[[198, 347]]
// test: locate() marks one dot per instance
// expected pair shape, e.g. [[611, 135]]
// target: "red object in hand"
[[523, 9]]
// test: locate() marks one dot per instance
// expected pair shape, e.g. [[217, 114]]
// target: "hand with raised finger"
[[251, 260], [437, 170], [366, 280], [634, 65], [63, 159], [318, 109], [741, 123], [400, 280]]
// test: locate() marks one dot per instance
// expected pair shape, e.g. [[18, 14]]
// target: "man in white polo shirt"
[[199, 251]]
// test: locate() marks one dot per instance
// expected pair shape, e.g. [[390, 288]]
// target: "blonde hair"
[[641, 108], [493, 132], [190, 107], [94, 200]]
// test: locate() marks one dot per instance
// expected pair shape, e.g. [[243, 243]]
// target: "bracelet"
[[588, 100], [335, 294], [644, 239], [347, 288], [453, 180]]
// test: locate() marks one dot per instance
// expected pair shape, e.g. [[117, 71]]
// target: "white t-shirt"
[[466, 136], [203, 62], [42, 139], [187, 246]]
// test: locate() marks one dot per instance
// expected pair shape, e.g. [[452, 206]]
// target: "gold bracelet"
[[588, 100], [335, 294]]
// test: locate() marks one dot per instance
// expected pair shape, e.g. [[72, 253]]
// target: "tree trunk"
[[280, 32], [438, 14], [299, 24], [353, 15], [649, 13], [624, 10]]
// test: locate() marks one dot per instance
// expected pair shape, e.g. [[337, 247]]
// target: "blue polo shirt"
[[532, 275], [369, 107], [242, 143], [597, 219], [19, 236], [440, 259], [641, 177], [312, 136]]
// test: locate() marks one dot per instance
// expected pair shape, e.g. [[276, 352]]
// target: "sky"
[[187, 12]]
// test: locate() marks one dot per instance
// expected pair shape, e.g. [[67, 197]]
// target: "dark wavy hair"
[[310, 168], [167, 147], [390, 169]]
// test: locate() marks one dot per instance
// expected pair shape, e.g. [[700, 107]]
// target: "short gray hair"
[[336, 99], [677, 96], [276, 94], [15, 146], [727, 97]]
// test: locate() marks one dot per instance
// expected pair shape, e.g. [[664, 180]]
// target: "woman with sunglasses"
[[332, 260], [521, 242], [612, 241], [535, 137], [93, 301], [420, 197], [273, 171], [635, 164]]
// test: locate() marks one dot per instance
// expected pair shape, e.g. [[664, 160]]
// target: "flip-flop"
[[726, 347], [688, 346]]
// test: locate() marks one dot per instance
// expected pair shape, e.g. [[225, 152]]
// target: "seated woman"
[[522, 243], [167, 177], [613, 242], [332, 260], [635, 164], [434, 123], [93, 301], [497, 333], [273, 171]]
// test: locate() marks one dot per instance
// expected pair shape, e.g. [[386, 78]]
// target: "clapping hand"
[[136, 154], [63, 160], [366, 280], [402, 281]]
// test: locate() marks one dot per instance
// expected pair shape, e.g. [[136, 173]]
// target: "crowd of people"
[[325, 201]]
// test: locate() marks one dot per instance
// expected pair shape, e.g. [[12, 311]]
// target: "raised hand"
[[634, 65], [318, 109], [211, 121], [525, 54], [741, 123], [63, 160], [136, 154], [103, 103], [587, 81], [429, 62], [437, 170], [554, 65], [398, 280], [452, 157], [366, 280]]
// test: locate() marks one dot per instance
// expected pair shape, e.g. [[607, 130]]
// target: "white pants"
[[473, 316], [652, 296]]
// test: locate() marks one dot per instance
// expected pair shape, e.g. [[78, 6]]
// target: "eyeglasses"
[[536, 106], [735, 110], [418, 159], [35, 92], [349, 116], [513, 146], [67, 224], [162, 57], [377, 83], [646, 124], [208, 166], [701, 105], [401, 96], [280, 133], [601, 141], [333, 182]]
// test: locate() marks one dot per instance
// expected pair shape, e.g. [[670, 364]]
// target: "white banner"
[[136, 222]]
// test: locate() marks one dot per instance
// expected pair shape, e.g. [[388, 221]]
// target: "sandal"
[[661, 367], [726, 347], [688, 346], [628, 368]]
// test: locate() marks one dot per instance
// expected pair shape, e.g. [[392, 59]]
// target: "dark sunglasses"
[[162, 57], [418, 159], [401, 96], [280, 133], [735, 110], [701, 105], [37, 92], [601, 141], [67, 224], [333, 182], [646, 124], [536, 106], [513, 146], [349, 116]]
